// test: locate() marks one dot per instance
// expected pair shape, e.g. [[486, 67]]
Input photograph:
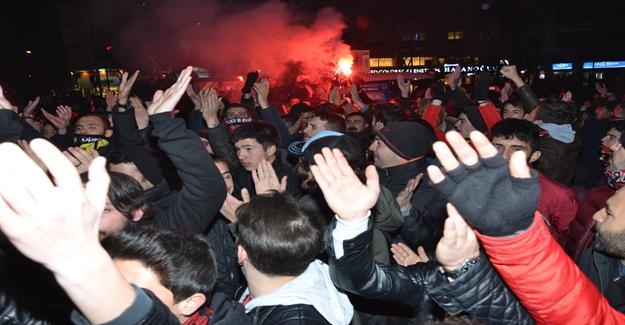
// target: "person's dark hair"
[[330, 108], [361, 114], [221, 160], [105, 121], [127, 195], [389, 113], [262, 132], [335, 122], [557, 112], [297, 110], [279, 238], [184, 262], [117, 157], [620, 127], [523, 130], [516, 102]]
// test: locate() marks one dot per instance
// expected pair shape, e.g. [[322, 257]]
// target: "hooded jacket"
[[302, 300]]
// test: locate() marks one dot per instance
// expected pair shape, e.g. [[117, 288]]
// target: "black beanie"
[[407, 139], [475, 117]]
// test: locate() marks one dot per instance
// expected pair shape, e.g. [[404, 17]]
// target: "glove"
[[489, 198], [249, 82], [481, 89]]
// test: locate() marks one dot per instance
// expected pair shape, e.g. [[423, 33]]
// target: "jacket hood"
[[561, 132], [313, 287]]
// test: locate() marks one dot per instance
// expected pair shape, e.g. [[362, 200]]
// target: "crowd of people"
[[490, 206]]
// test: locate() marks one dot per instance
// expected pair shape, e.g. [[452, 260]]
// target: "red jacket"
[[558, 205], [545, 280]]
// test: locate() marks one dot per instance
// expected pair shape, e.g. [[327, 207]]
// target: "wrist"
[[79, 266], [62, 131], [437, 102], [263, 104], [456, 272], [212, 123]]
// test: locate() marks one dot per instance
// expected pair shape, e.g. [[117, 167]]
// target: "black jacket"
[[423, 226], [203, 191], [603, 271], [229, 276], [356, 272], [13, 127], [219, 139], [13, 313], [286, 315]]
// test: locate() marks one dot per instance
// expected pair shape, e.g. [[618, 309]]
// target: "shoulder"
[[286, 315]]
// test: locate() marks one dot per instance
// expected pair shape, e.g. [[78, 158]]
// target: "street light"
[[29, 52]]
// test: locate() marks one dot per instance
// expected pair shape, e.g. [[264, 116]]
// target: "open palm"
[[345, 194], [166, 101]]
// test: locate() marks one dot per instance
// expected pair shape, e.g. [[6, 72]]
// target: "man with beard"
[[605, 263]]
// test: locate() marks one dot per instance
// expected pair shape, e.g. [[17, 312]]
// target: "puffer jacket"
[[12, 313], [526, 262], [479, 292], [286, 315], [558, 205]]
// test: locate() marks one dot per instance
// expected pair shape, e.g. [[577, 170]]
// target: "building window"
[[453, 36], [417, 61], [485, 36], [419, 37], [381, 62]]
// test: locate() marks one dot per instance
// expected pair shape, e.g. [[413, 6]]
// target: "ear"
[[535, 156], [271, 151], [190, 305], [137, 215], [241, 254], [108, 133]]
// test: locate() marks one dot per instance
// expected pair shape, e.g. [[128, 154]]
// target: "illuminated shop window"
[[381, 62], [417, 61], [455, 35]]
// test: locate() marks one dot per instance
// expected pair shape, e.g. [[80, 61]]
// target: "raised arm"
[[203, 189]]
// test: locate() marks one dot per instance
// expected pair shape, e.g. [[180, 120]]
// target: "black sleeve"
[[459, 98], [203, 188], [481, 293], [527, 97], [357, 272], [125, 127], [219, 139], [10, 128]]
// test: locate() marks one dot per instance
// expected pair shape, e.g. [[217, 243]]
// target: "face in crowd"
[[315, 125], [507, 147], [511, 111], [355, 123], [92, 125], [250, 153], [464, 126], [611, 226], [612, 140]]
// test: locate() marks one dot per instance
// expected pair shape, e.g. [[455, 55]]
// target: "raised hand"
[[62, 118], [404, 197], [567, 97], [81, 158], [30, 107], [250, 80], [141, 113], [193, 96], [32, 155], [334, 96], [353, 90], [602, 89], [459, 243], [166, 101], [266, 179], [262, 89], [349, 198], [231, 204], [404, 256], [510, 72], [125, 87], [495, 197], [4, 103], [404, 86], [210, 104], [110, 100], [453, 79], [52, 224]]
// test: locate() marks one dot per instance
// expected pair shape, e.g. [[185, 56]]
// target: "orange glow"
[[345, 65], [240, 78]]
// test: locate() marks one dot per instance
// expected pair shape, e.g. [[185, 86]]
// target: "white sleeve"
[[346, 230]]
